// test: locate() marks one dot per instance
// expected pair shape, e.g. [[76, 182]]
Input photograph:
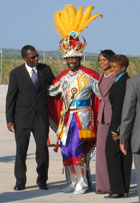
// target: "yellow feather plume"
[[65, 18], [69, 19], [85, 25], [59, 26], [94, 17], [86, 16], [72, 14], [79, 16]]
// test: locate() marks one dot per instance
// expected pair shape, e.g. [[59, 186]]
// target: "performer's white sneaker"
[[80, 188], [69, 188]]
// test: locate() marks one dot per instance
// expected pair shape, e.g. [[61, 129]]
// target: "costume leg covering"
[[81, 185], [70, 178], [88, 175]]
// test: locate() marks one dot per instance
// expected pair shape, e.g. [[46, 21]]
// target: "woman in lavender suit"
[[104, 119]]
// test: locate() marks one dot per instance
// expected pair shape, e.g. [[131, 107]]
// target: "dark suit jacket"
[[23, 99], [116, 97]]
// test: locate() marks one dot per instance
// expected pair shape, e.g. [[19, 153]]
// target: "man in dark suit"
[[27, 111], [130, 123]]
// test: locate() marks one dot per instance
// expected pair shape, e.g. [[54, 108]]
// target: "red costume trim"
[[78, 121], [76, 161], [60, 76], [90, 72], [55, 105]]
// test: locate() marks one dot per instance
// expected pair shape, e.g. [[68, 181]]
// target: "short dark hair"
[[107, 53], [121, 59], [25, 49]]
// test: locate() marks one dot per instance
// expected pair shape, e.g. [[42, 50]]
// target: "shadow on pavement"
[[133, 192], [133, 176], [11, 158], [34, 192], [7, 159]]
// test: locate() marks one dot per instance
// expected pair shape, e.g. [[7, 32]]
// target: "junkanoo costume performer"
[[79, 91]]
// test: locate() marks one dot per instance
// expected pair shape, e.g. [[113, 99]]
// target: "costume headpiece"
[[69, 22]]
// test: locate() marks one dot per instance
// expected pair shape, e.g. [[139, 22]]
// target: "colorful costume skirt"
[[73, 151]]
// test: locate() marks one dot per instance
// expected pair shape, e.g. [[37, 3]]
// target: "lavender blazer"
[[105, 111]]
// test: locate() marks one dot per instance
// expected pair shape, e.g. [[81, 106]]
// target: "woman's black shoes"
[[114, 196]]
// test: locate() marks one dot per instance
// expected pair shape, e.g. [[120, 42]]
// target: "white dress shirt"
[[29, 69]]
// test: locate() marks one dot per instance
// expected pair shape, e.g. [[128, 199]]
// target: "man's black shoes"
[[19, 187], [43, 186]]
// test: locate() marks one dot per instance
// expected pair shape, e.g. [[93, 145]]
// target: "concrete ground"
[[56, 179]]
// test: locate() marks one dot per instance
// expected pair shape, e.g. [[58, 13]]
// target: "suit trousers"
[[119, 166], [40, 131], [137, 167]]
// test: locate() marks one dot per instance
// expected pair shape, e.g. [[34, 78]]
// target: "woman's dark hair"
[[107, 53], [25, 49], [122, 60]]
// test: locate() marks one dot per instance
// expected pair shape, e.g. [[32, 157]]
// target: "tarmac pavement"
[[56, 179]]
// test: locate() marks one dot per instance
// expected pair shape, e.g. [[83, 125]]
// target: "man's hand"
[[10, 126], [123, 148]]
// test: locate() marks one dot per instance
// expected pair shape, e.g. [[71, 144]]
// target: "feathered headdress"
[[69, 22]]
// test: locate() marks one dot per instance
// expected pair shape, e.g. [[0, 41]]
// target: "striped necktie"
[[34, 78]]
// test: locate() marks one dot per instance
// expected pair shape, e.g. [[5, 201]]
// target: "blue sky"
[[31, 22]]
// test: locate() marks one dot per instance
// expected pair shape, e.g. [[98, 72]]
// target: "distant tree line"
[[56, 62]]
